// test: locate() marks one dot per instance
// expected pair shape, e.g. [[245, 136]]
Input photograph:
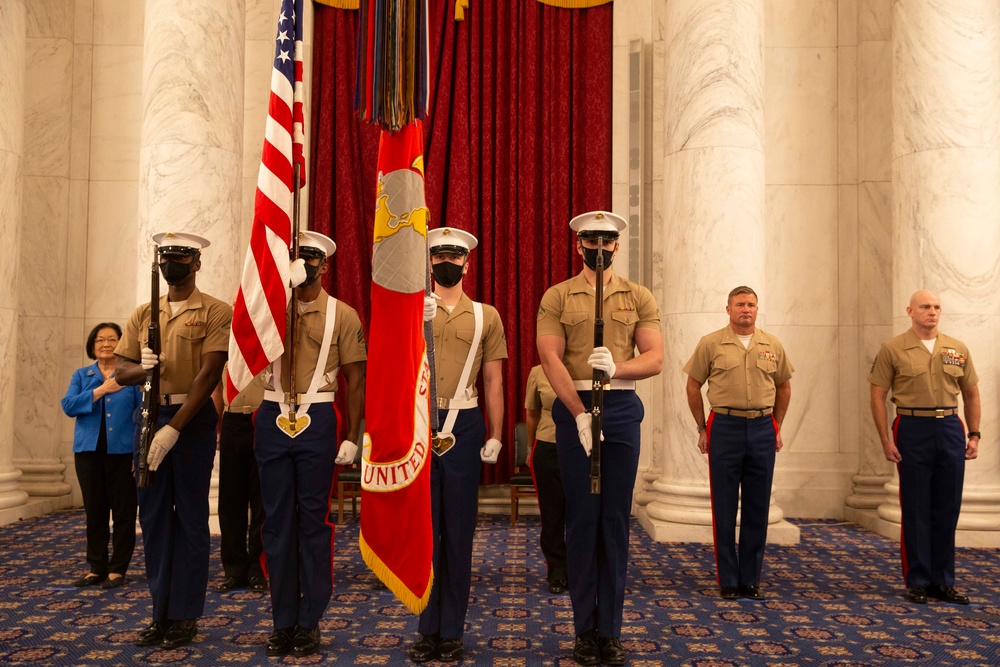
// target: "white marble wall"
[[43, 250], [946, 213], [13, 31]]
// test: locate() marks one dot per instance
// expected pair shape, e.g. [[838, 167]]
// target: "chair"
[[522, 484], [349, 483]]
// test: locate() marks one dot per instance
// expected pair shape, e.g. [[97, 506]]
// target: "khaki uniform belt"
[[746, 414], [940, 413], [240, 410], [614, 385], [172, 399]]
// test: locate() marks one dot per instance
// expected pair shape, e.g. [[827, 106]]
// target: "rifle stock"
[[597, 388], [151, 385]]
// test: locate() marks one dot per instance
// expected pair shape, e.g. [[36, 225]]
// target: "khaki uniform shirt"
[[567, 311], [920, 379], [201, 327], [740, 378], [539, 395], [249, 398], [347, 345], [453, 339]]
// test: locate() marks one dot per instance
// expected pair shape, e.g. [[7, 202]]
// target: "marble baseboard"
[[35, 507], [870, 520], [782, 532]]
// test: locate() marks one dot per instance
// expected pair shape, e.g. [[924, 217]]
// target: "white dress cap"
[[180, 240], [598, 221], [316, 240], [449, 238]]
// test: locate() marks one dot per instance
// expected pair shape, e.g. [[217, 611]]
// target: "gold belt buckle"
[[442, 442], [939, 414]]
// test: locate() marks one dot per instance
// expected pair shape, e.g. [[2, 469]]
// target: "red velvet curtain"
[[517, 141]]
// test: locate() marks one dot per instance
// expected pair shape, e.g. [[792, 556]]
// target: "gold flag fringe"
[[339, 4], [575, 4], [388, 577]]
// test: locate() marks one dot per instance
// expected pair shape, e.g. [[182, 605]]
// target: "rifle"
[[151, 386], [597, 390]]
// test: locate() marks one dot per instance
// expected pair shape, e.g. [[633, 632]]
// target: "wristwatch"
[[975, 433], [702, 427]]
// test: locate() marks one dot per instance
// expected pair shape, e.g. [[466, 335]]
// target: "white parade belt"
[[614, 385], [319, 378], [444, 439]]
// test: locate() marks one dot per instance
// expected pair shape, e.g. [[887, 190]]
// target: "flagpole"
[[292, 396], [429, 341]]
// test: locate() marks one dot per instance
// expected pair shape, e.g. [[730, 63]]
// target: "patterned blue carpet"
[[834, 600]]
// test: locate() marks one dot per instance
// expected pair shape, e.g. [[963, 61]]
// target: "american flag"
[[259, 312]]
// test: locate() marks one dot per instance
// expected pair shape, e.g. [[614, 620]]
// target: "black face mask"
[[312, 273], [590, 258], [447, 274], [175, 272]]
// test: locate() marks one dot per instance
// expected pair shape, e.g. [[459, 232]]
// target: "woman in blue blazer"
[[102, 449]]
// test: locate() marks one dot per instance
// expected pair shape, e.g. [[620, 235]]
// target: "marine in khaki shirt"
[[926, 371], [538, 399], [631, 349], [749, 389], [347, 344], [173, 511], [567, 311], [199, 326], [453, 332], [739, 377]]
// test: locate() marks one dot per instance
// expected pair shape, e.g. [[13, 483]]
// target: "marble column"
[[12, 77], [43, 251], [946, 219], [872, 274], [191, 139], [713, 163]]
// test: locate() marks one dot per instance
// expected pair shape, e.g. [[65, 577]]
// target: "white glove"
[[430, 307], [490, 451], [297, 272], [345, 455], [148, 359], [601, 360], [584, 422], [163, 442]]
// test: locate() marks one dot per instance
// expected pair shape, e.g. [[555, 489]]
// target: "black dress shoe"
[[557, 586], [752, 593], [612, 651], [305, 642], [586, 651], [113, 583], [90, 580], [279, 642], [180, 633], [917, 594], [153, 635], [230, 584], [257, 584], [729, 593], [425, 649], [947, 594], [451, 650]]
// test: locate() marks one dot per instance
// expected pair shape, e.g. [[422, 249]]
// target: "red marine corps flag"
[[395, 476], [396, 534]]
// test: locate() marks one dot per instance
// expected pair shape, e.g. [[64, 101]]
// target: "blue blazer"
[[118, 408]]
